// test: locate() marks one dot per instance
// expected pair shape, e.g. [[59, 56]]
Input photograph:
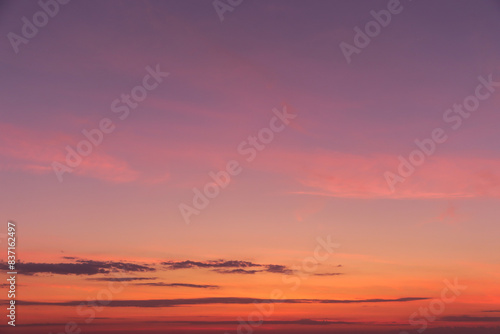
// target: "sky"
[[241, 166]]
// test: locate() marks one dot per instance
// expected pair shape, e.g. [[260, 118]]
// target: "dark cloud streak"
[[121, 279], [223, 300], [229, 267], [176, 285], [467, 318], [80, 267]]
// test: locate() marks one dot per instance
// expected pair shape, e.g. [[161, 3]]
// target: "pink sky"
[[323, 174]]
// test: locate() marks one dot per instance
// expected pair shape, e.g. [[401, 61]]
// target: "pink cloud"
[[34, 152], [337, 174]]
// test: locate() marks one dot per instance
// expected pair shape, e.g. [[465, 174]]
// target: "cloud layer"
[[225, 300]]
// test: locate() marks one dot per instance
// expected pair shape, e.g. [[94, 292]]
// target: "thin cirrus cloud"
[[146, 303], [34, 152], [302, 322], [121, 279], [237, 271], [328, 173], [270, 268], [337, 174], [321, 326], [180, 285], [328, 274], [278, 269], [467, 318]]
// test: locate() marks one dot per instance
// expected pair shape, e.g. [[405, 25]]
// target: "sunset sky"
[[362, 186]]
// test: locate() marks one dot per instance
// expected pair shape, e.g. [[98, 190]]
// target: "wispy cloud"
[[121, 279], [183, 285], [467, 318], [327, 274], [237, 271], [224, 300], [34, 151], [304, 322]]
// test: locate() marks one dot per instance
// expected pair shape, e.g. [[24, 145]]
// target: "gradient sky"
[[118, 212]]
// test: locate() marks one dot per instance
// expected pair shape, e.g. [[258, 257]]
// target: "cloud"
[[304, 322], [466, 318], [7, 285], [344, 175], [278, 269], [224, 300], [237, 271], [271, 268], [328, 274], [121, 279], [229, 267], [90, 267], [209, 264], [185, 285], [80, 267], [34, 151], [213, 327]]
